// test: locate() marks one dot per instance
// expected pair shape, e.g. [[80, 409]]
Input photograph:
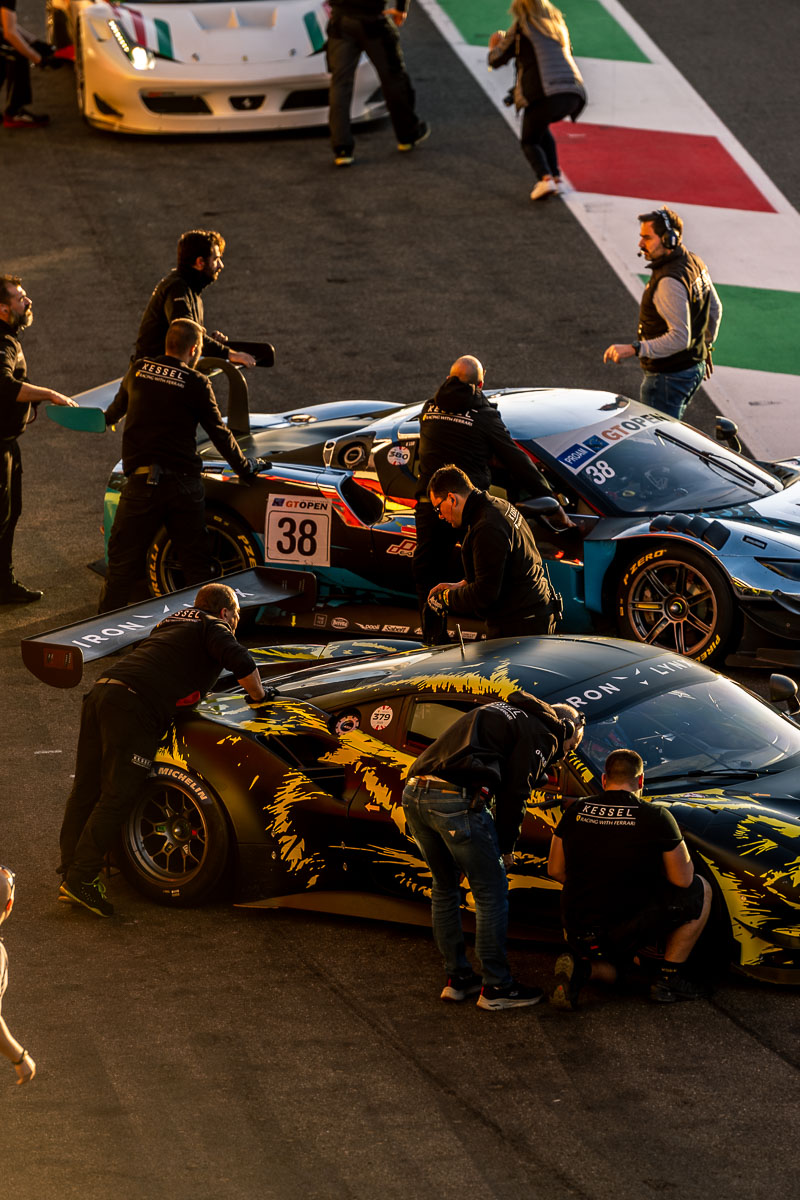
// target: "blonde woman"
[[548, 85]]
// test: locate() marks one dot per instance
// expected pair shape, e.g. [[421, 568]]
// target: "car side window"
[[429, 718]]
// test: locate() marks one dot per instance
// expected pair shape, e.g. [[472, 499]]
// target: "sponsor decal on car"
[[298, 530], [395, 629], [578, 454], [381, 718], [405, 548], [347, 722], [340, 623], [398, 456]]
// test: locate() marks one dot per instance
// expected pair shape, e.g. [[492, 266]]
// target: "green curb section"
[[595, 34]]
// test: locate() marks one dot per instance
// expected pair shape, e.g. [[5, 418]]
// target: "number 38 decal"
[[298, 530], [599, 472]]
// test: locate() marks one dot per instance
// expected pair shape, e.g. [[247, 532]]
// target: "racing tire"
[[233, 548], [176, 844], [671, 595]]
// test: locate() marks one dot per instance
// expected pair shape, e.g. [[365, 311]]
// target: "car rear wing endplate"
[[57, 657]]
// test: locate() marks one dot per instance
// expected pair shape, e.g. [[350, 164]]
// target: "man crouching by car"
[[627, 881]]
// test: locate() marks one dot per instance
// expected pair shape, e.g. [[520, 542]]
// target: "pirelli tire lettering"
[[675, 596], [232, 547], [176, 843]]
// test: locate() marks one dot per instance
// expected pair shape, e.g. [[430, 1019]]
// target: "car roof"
[[552, 667]]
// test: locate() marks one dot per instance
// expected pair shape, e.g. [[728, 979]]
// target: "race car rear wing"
[[57, 657]]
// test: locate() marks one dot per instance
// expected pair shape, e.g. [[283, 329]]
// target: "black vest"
[[692, 272]]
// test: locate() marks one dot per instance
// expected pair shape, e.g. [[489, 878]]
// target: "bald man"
[[460, 426]]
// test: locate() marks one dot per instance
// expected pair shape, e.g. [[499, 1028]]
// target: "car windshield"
[[659, 466], [712, 726]]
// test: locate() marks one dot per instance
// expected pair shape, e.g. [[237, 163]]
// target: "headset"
[[670, 238]]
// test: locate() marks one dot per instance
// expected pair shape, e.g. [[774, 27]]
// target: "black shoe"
[[458, 987], [344, 156], [423, 132], [513, 995], [90, 895], [571, 975], [670, 988], [15, 593]]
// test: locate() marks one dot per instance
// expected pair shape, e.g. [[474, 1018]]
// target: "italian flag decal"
[[647, 137], [153, 34]]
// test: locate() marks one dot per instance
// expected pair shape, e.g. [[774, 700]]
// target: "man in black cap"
[[124, 717]]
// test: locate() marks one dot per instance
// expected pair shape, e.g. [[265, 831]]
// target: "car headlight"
[[140, 58], [789, 568]]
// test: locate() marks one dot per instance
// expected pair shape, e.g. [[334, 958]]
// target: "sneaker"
[[422, 135], [25, 120], [544, 188], [343, 158], [15, 593], [458, 987], [90, 895], [571, 976], [670, 988], [512, 995]]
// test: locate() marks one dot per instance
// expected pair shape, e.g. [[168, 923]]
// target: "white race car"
[[203, 67]]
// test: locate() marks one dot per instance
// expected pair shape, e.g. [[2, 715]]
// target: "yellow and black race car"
[[298, 803]]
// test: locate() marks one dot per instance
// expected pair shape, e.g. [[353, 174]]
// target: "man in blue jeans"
[[679, 317], [369, 27], [497, 751]]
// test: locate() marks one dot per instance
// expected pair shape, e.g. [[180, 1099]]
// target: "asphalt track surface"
[[225, 1053]]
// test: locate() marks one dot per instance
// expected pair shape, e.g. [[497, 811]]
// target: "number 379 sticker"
[[298, 530]]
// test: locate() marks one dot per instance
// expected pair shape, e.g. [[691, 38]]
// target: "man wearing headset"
[[679, 317]]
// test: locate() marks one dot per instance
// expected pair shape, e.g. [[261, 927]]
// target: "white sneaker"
[[545, 187]]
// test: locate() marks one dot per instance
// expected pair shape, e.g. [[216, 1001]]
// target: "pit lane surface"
[[241, 1054]]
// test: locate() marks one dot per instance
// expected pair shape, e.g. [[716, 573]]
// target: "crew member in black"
[[628, 881], [498, 749], [124, 717], [504, 581], [179, 295], [18, 50], [369, 27], [679, 317], [163, 401], [459, 426], [16, 397]]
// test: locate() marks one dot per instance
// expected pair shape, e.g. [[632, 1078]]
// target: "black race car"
[[298, 803]]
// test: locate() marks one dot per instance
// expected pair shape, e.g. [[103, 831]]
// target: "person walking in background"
[[548, 86], [18, 51], [368, 27], [17, 1055], [679, 317]]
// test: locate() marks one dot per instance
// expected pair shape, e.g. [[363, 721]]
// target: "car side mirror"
[[783, 690], [542, 506], [727, 432]]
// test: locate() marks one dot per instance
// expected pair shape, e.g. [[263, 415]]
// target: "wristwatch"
[[636, 348]]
